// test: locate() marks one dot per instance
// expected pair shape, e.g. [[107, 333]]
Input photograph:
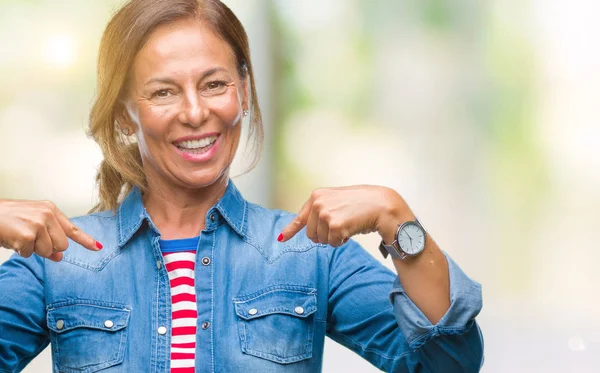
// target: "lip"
[[195, 137], [198, 158]]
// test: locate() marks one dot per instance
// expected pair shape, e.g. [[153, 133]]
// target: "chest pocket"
[[277, 323], [87, 337]]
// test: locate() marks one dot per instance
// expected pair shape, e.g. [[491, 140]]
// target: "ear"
[[245, 95], [123, 117]]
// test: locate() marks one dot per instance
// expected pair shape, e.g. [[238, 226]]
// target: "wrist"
[[395, 212]]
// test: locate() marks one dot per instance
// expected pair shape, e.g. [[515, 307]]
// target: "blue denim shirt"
[[269, 305]]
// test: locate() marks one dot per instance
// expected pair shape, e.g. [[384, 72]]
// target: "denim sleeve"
[[388, 330], [23, 331]]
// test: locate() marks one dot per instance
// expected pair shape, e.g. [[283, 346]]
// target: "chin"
[[204, 179]]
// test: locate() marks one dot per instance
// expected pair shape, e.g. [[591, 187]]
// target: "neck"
[[181, 212]]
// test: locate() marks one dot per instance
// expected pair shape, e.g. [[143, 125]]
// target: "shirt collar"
[[231, 208]]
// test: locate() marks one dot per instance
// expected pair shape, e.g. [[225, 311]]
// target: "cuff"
[[465, 304]]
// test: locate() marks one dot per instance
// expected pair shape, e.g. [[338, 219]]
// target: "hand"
[[39, 227], [333, 215]]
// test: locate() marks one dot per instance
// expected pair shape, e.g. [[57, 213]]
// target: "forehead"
[[182, 47]]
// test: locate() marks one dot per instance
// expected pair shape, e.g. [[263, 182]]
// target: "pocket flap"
[[64, 318], [291, 300]]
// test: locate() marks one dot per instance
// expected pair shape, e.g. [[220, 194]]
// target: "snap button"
[[109, 324], [212, 217], [162, 330], [60, 324], [252, 311], [206, 260], [205, 325], [299, 310], [158, 264]]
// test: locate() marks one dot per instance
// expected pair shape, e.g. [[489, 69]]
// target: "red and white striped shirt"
[[180, 258]]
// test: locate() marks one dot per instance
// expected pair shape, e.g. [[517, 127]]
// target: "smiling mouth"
[[196, 146]]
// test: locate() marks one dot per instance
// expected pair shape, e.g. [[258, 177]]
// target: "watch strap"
[[391, 251]]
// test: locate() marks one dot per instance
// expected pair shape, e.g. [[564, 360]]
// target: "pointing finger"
[[76, 234], [297, 224]]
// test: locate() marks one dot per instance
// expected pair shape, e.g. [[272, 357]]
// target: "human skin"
[[332, 215], [39, 227], [165, 103], [169, 98]]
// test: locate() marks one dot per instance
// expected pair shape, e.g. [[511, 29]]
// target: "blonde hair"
[[124, 36]]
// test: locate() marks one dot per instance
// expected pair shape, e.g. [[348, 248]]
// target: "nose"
[[194, 111]]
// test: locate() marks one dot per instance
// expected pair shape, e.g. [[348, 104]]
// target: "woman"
[[175, 271]]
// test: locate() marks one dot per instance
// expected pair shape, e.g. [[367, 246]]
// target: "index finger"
[[297, 224], [76, 234]]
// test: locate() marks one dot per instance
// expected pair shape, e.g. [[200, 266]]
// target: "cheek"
[[154, 121], [228, 109]]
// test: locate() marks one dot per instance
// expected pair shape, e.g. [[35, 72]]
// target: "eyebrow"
[[206, 74]]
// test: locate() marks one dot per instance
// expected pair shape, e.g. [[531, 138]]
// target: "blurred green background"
[[483, 115]]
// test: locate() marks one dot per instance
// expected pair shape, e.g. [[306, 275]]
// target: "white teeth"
[[197, 144]]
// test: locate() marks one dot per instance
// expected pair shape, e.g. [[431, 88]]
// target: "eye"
[[215, 88], [162, 93], [216, 85]]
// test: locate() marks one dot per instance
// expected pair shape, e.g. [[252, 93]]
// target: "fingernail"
[[280, 238], [99, 245]]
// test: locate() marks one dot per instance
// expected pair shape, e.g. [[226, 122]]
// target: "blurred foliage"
[[12, 2], [497, 94], [517, 173], [289, 98], [438, 14]]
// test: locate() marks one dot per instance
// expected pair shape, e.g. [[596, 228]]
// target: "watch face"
[[411, 238]]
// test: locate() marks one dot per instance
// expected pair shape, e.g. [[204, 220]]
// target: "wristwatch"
[[409, 241]]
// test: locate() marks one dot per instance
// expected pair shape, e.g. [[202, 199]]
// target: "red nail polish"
[[280, 238], [99, 245]]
